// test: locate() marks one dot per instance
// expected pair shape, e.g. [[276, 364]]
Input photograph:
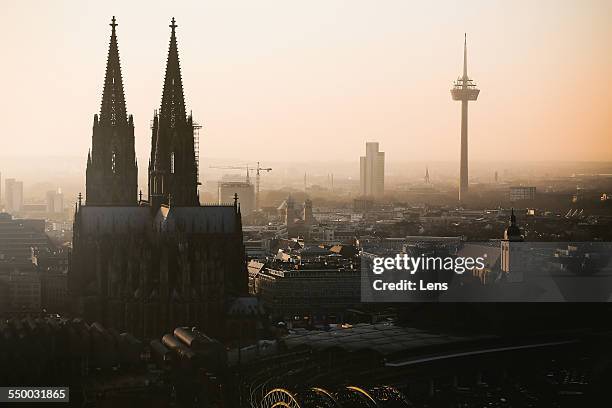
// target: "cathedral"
[[149, 265]]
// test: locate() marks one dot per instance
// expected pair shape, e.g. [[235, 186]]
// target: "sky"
[[314, 80]]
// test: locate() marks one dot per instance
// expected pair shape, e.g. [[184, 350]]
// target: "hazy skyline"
[[270, 80]]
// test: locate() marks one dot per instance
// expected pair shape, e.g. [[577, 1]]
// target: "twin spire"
[[113, 110], [173, 100], [112, 171]]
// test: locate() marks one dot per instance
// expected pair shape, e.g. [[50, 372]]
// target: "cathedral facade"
[[149, 265]]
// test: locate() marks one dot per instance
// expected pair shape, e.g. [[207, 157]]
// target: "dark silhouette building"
[[173, 168], [149, 266], [112, 171]]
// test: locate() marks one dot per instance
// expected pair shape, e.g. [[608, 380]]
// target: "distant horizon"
[[241, 161], [63, 170]]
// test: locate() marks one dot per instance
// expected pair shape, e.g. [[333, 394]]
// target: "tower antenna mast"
[[464, 90]]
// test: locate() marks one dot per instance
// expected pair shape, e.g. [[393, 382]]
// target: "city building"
[[464, 90], [307, 216], [522, 193], [55, 201], [32, 269], [53, 265], [246, 194], [372, 171], [149, 265], [314, 281], [298, 220], [24, 289], [362, 204], [20, 283], [13, 195], [20, 237], [23, 282]]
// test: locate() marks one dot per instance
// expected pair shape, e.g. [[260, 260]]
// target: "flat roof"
[[383, 338]]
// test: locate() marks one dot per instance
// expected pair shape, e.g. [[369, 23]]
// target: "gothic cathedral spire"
[[113, 109], [112, 170], [173, 167], [173, 99]]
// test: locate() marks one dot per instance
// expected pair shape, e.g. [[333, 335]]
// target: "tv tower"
[[464, 90]]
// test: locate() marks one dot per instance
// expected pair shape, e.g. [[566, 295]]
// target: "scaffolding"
[[196, 149]]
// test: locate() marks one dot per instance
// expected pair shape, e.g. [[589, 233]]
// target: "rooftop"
[[384, 338]]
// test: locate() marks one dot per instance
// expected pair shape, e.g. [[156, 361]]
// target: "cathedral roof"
[[120, 220], [205, 219], [107, 219]]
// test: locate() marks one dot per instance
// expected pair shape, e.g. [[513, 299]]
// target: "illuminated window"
[[114, 162], [172, 163]]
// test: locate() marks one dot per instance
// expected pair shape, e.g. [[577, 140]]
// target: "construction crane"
[[258, 170]]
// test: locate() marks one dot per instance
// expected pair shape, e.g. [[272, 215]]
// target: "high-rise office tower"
[[372, 171], [55, 201], [308, 216], [13, 195], [244, 189], [464, 90]]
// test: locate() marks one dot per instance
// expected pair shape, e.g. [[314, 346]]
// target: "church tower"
[[513, 258], [112, 171], [173, 167]]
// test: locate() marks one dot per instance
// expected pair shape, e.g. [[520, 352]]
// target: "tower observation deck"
[[464, 90]]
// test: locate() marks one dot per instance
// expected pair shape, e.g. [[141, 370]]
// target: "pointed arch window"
[[172, 163]]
